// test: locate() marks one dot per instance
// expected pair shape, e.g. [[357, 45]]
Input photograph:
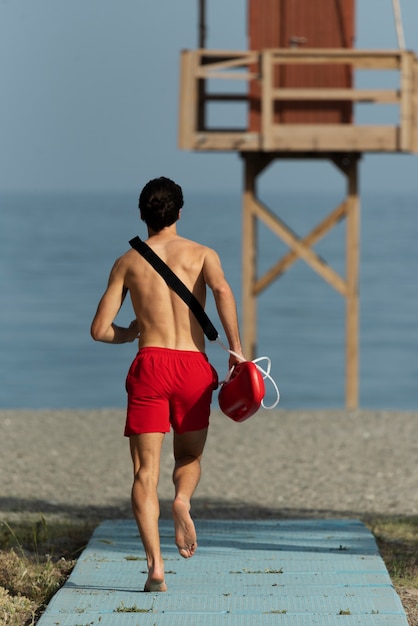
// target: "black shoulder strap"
[[176, 285]]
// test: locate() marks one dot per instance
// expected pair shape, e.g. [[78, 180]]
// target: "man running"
[[170, 382]]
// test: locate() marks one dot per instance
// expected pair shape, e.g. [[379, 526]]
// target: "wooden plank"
[[299, 247], [267, 101], [415, 109], [352, 301], [225, 140], [384, 139], [328, 137], [406, 113], [188, 101], [288, 259], [360, 59], [414, 140], [235, 62], [355, 95], [294, 139], [249, 256], [219, 53], [204, 72]]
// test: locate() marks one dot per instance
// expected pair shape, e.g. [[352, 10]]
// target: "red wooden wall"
[[309, 24]]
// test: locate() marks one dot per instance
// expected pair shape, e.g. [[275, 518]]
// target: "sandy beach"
[[279, 463]]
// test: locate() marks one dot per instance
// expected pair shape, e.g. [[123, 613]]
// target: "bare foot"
[[186, 540], [155, 580], [155, 585]]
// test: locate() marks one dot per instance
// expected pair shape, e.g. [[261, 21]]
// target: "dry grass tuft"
[[16, 610], [397, 539], [32, 577], [35, 561]]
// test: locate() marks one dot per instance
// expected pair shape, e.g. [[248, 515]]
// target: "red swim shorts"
[[169, 387]]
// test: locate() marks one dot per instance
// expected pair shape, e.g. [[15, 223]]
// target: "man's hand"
[[120, 334], [133, 331], [233, 360]]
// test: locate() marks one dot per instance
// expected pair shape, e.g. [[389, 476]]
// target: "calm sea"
[[56, 251]]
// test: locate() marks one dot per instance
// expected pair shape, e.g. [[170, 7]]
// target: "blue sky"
[[90, 92]]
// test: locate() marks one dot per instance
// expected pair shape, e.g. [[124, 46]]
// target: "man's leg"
[[188, 450], [146, 453]]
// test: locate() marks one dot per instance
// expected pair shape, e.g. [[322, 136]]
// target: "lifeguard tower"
[[298, 87]]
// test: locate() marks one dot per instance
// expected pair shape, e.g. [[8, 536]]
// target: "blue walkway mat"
[[245, 573]]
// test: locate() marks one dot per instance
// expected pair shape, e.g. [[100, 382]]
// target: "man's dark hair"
[[160, 202]]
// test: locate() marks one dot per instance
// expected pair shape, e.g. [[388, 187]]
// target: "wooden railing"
[[200, 67]]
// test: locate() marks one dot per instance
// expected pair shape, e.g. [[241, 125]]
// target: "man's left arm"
[[103, 327]]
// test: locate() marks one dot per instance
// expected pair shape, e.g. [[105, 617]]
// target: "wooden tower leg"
[[348, 164], [352, 306], [254, 164], [249, 256]]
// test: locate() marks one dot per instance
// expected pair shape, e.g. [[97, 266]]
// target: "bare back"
[[164, 320]]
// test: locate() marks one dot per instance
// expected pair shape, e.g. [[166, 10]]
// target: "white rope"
[[266, 375], [398, 24], [264, 372]]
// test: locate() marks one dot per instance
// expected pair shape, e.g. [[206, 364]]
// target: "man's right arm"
[[103, 327], [225, 301]]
